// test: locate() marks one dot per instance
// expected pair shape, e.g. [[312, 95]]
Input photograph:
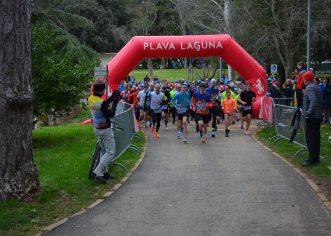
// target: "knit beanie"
[[308, 76]]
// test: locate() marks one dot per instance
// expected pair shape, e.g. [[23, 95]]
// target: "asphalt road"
[[227, 186]]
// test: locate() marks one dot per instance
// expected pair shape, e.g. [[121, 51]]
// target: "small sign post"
[[274, 69], [100, 72]]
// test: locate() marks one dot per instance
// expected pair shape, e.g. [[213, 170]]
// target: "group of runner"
[[202, 101]]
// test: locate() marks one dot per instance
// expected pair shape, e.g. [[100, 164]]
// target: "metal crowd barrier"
[[284, 101], [289, 124], [123, 126]]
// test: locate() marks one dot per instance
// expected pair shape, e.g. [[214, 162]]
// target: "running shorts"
[[203, 117], [246, 110]]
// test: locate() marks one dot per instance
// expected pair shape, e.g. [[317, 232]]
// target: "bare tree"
[[183, 8], [279, 26], [18, 174], [146, 13], [264, 26]]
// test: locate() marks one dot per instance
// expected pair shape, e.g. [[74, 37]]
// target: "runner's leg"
[[185, 126], [158, 121], [248, 121]]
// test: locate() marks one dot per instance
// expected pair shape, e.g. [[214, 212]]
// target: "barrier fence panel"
[[287, 120], [123, 127], [266, 112], [284, 101]]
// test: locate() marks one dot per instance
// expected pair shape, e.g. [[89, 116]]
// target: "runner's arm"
[[241, 101]]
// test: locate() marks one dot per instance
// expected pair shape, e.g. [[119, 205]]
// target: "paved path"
[[228, 186]]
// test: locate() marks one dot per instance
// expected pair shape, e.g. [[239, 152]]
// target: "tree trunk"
[[18, 174], [150, 68]]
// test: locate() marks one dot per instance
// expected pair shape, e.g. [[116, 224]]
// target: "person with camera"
[[300, 85], [313, 113], [102, 112]]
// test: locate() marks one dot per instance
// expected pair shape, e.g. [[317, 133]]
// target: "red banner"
[[266, 111]]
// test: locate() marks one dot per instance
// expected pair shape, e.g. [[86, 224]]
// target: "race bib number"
[[201, 107], [157, 110], [181, 110], [164, 107], [247, 108]]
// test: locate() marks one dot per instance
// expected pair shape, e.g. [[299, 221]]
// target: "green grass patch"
[[324, 75], [288, 149], [63, 156], [173, 74], [183, 74]]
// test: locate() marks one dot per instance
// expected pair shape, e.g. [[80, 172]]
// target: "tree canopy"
[[259, 26]]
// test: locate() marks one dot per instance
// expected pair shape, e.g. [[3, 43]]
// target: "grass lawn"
[[287, 149], [182, 74], [62, 155], [324, 75], [173, 74]]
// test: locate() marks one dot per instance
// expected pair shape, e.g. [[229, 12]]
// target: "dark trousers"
[[156, 117], [173, 114], [212, 116], [299, 98], [313, 138]]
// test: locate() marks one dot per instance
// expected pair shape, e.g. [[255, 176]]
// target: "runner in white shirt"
[[156, 99], [142, 105]]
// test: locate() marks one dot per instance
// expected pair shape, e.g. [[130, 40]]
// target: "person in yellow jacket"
[[229, 106]]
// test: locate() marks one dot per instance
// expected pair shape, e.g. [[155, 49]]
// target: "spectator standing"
[[101, 112], [288, 92], [312, 111], [301, 70], [327, 100]]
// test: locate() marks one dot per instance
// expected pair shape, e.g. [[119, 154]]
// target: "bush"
[[59, 77]]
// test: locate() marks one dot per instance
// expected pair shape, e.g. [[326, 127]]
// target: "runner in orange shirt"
[[229, 106]]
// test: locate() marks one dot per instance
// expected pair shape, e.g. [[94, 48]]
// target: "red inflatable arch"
[[223, 45]]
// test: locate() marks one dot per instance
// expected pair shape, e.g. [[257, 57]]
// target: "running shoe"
[[156, 135], [203, 139], [213, 134], [152, 129], [247, 132], [185, 141], [178, 135], [108, 176]]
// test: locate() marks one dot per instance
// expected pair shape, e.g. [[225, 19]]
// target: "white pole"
[[220, 76], [227, 18], [309, 35]]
